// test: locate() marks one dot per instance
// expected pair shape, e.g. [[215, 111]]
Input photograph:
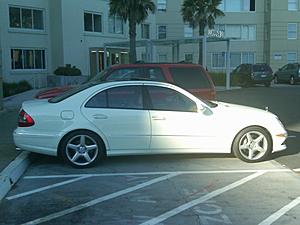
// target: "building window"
[[145, 31], [248, 57], [162, 32], [188, 31], [28, 59], [292, 31], [237, 5], [239, 32], [162, 58], [248, 32], [115, 25], [291, 57], [218, 60], [236, 58], [26, 18], [161, 5], [188, 58], [233, 31], [292, 5], [92, 22]]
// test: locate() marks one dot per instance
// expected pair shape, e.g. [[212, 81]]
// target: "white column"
[[228, 65], [105, 57]]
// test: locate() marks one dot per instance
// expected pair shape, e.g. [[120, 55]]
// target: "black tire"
[[292, 80], [244, 83], [267, 84], [276, 81], [87, 145], [242, 144]]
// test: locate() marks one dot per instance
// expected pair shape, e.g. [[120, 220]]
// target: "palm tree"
[[135, 12], [201, 13]]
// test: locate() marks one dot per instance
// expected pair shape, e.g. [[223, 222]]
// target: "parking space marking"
[[159, 173], [101, 199], [200, 200], [275, 216], [46, 187]]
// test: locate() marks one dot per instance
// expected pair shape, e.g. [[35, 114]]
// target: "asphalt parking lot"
[[180, 189]]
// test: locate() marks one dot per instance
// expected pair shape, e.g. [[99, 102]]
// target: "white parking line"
[[200, 200], [46, 188], [159, 173], [275, 216], [101, 199], [296, 170]]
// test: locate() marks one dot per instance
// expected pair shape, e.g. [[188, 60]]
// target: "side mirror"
[[205, 110]]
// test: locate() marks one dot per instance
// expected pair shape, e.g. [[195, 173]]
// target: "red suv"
[[191, 77]]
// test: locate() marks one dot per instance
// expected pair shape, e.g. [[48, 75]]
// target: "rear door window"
[[129, 97], [190, 78]]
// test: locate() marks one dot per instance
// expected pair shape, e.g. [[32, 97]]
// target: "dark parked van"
[[249, 74]]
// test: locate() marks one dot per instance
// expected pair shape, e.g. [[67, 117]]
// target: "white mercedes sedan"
[[90, 122]]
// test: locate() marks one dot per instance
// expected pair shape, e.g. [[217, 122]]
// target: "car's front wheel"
[[253, 144], [82, 149]]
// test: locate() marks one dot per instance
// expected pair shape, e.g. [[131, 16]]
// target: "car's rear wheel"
[[253, 144], [82, 149], [292, 80]]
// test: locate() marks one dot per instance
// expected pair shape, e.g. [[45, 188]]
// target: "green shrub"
[[15, 88], [67, 70], [219, 79]]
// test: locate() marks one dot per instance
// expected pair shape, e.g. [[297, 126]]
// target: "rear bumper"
[[39, 143]]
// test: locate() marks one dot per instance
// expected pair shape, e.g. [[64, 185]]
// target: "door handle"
[[100, 116], [158, 118]]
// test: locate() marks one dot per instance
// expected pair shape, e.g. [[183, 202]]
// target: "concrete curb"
[[12, 173]]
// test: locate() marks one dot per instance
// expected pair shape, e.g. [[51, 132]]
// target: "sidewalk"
[[10, 172]]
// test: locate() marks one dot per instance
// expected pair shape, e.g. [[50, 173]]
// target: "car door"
[[119, 115], [176, 123], [282, 74]]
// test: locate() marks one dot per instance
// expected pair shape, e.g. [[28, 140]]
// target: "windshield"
[[261, 68], [98, 77]]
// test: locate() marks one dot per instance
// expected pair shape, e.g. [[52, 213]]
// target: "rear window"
[[190, 78], [71, 92], [261, 68]]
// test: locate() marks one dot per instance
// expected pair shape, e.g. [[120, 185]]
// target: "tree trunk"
[[201, 33], [132, 37], [1, 91]]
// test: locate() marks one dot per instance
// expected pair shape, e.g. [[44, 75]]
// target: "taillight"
[[25, 119]]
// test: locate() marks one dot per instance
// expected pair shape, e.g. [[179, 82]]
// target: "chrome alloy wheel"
[[81, 150], [253, 145]]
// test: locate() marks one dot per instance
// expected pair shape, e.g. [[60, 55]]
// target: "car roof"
[[156, 65]]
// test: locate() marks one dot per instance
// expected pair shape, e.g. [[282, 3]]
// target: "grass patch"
[[219, 79]]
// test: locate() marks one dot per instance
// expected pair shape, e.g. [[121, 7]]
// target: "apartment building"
[[37, 36]]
